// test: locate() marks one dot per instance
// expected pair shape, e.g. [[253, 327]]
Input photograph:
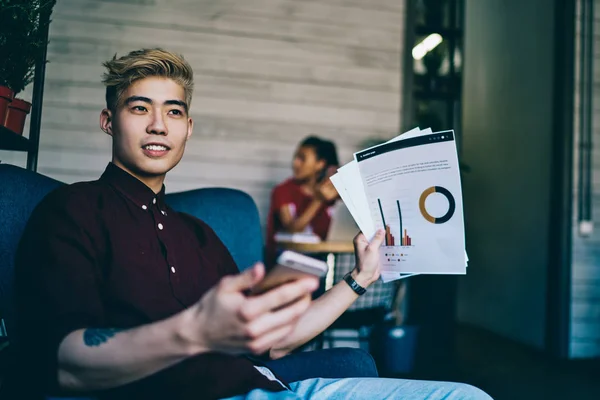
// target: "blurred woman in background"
[[302, 203]]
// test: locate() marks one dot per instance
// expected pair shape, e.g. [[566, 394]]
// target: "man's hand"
[[227, 320], [367, 268]]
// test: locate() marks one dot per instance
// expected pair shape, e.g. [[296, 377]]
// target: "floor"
[[509, 371]]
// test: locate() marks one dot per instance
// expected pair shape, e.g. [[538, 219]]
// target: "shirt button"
[[144, 207], [163, 213], [154, 200], [172, 269], [160, 226]]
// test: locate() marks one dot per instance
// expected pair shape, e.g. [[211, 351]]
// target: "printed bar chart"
[[402, 239]]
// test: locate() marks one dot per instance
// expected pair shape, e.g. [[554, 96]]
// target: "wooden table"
[[322, 247], [327, 247]]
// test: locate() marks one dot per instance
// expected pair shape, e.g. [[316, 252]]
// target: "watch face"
[[354, 285]]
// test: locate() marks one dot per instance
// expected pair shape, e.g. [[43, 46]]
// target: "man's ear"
[[190, 128], [106, 118]]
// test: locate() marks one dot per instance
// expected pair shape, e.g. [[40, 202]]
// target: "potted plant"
[[6, 97], [22, 44]]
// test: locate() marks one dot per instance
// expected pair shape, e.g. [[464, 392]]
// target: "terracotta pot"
[[16, 115], [6, 96]]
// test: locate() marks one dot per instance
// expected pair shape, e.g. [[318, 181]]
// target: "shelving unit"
[[14, 142], [432, 95], [432, 98]]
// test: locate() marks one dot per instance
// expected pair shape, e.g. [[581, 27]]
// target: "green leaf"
[[22, 41]]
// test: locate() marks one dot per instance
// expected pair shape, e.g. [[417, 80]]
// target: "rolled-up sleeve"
[[57, 281]]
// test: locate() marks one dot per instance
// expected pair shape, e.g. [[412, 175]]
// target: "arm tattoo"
[[97, 336]]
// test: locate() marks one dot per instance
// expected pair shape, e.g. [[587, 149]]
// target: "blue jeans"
[[370, 388]]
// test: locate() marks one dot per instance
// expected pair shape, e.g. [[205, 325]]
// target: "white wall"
[[268, 73], [585, 271]]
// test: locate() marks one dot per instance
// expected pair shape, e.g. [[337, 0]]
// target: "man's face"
[[149, 127], [305, 164]]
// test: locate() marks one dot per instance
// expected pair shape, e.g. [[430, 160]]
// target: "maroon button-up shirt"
[[110, 253]]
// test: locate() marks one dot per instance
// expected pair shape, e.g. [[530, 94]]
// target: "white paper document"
[[349, 184], [410, 187], [350, 187]]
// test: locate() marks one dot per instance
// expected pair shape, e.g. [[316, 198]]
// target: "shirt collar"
[[134, 189]]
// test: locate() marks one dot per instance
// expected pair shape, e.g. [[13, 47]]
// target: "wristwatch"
[[359, 290]]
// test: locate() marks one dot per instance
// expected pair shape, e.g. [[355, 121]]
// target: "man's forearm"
[[321, 314], [94, 359], [327, 308]]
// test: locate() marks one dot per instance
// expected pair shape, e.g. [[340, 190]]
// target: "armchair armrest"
[[328, 363]]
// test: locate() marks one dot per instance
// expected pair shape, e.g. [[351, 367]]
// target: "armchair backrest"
[[20, 192], [232, 214]]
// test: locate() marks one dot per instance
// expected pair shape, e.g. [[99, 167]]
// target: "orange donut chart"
[[451, 204]]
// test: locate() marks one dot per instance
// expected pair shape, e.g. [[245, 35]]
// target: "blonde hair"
[[144, 63]]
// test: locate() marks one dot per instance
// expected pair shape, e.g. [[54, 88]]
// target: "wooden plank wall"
[[585, 297], [268, 73]]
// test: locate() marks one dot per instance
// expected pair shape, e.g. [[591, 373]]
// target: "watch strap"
[[359, 290]]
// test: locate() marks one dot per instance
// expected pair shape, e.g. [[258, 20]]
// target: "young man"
[[120, 296]]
